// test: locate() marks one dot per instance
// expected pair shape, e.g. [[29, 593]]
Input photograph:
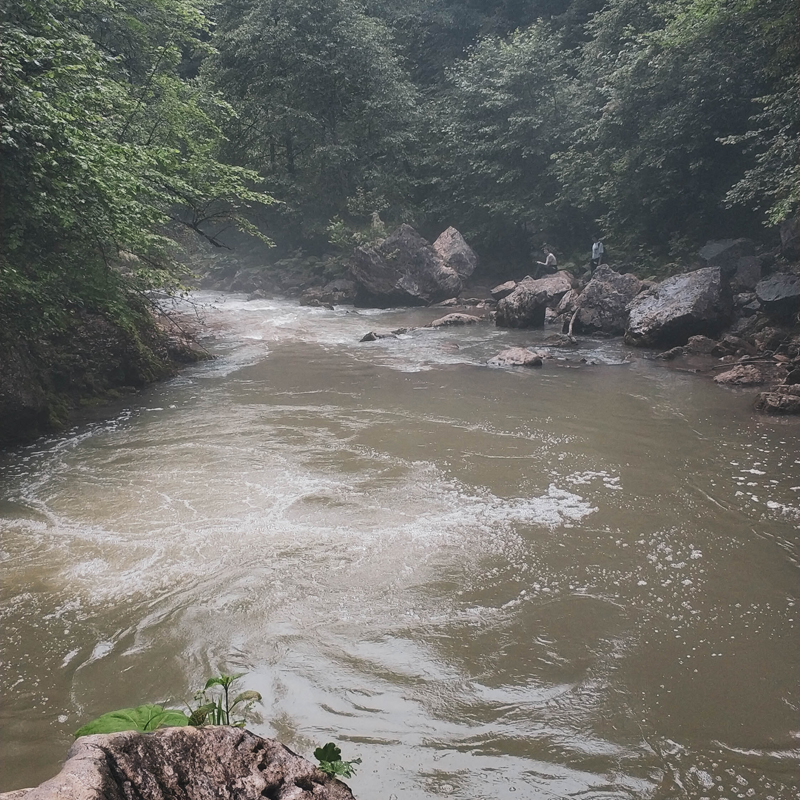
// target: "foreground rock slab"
[[212, 763], [403, 270], [681, 306]]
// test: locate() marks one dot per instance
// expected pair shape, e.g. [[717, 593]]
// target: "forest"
[[126, 128]]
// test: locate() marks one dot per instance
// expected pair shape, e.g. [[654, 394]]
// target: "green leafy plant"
[[330, 762], [142, 718], [216, 706]]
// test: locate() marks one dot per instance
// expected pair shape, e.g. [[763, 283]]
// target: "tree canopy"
[[121, 124]]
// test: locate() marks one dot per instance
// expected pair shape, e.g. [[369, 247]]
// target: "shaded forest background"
[[316, 124]]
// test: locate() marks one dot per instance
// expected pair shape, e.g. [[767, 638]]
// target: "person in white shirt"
[[597, 254]]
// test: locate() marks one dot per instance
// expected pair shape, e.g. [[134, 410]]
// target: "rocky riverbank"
[[48, 382], [735, 317], [218, 763]]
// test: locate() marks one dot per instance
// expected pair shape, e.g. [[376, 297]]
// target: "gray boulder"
[[503, 290], [452, 320], [603, 305], [456, 253], [403, 270], [525, 307], [725, 253], [211, 763], [516, 357], [680, 307], [742, 375], [746, 275], [779, 294]]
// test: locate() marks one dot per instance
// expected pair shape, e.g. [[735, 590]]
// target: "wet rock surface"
[[681, 306], [212, 763], [779, 294], [516, 357]]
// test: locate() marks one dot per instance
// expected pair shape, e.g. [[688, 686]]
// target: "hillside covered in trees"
[[128, 127]]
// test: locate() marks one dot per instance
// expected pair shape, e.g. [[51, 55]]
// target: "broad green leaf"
[[142, 718]]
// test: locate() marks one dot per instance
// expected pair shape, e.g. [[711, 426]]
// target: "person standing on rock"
[[598, 251], [549, 264]]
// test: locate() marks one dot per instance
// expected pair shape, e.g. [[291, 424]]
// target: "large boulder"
[[779, 294], [556, 285], [725, 253], [212, 763], [403, 270], [525, 307], [456, 253], [680, 307], [602, 307]]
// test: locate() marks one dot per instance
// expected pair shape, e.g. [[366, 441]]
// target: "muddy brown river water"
[[574, 582]]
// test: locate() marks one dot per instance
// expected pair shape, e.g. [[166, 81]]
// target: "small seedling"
[[215, 707], [330, 762]]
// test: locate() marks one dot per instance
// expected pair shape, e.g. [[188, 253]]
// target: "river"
[[576, 581]]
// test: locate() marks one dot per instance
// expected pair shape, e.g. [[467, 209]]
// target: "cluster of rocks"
[[727, 309], [209, 763]]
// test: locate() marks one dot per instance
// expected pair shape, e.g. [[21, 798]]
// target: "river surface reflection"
[[579, 581]]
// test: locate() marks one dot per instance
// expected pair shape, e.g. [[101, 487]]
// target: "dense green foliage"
[[657, 124], [103, 145], [216, 707]]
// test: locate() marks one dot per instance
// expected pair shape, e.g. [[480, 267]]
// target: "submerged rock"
[[451, 320], [211, 763], [403, 270], [516, 357], [456, 253], [680, 307]]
